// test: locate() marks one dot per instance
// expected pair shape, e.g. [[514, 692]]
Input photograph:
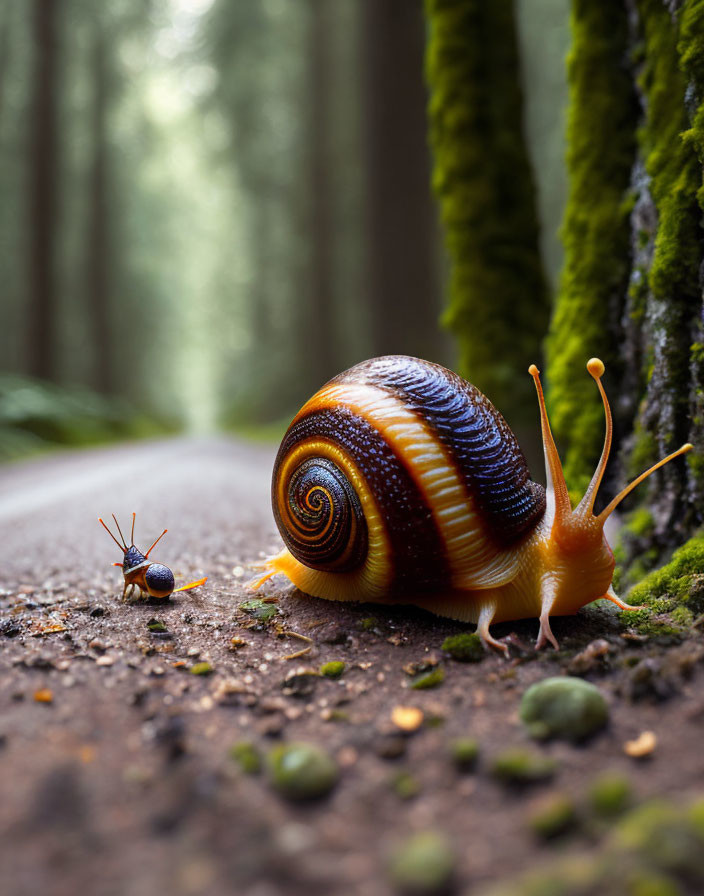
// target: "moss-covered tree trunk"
[[632, 286], [498, 307]]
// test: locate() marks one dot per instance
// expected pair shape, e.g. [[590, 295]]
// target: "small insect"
[[152, 579]]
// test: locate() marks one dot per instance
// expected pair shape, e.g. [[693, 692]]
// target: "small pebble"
[[44, 695], [642, 747], [407, 718]]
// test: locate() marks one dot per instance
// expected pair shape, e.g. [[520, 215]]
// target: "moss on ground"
[[484, 184], [602, 119], [655, 850]]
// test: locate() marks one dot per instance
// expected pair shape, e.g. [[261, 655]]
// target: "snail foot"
[[545, 634], [622, 605]]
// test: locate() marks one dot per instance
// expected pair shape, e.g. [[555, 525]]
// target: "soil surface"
[[116, 769]]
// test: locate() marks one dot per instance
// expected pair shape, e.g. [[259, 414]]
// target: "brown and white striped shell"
[[400, 478]]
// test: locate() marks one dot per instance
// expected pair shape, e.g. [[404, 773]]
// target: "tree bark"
[[41, 347], [318, 340], [98, 232], [403, 282]]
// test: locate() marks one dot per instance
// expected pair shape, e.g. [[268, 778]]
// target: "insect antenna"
[[112, 536], [156, 542], [133, 516], [120, 531]]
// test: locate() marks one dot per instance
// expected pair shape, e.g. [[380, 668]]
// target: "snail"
[[399, 482], [152, 579]]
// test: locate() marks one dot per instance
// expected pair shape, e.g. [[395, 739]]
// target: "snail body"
[[399, 482]]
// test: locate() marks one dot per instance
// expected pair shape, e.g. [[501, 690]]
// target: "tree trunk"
[[498, 308], [41, 348], [634, 257], [98, 237], [318, 340], [402, 273]]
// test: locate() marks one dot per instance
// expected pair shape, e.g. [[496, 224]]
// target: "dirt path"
[[123, 783]]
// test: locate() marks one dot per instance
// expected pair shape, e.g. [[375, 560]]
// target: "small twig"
[[304, 650]]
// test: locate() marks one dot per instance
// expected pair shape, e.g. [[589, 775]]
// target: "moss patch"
[[465, 647], [564, 707], [656, 850]]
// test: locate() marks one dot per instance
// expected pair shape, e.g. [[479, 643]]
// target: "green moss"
[[602, 117], [428, 678], [676, 583], [655, 850], [639, 523], [520, 767], [301, 771], [333, 669], [555, 816], [261, 610], [483, 180], [405, 785], [247, 757], [464, 752], [670, 145], [610, 795], [565, 707], [201, 669], [465, 647], [423, 864]]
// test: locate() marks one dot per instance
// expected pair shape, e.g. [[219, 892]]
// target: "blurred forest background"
[[209, 207]]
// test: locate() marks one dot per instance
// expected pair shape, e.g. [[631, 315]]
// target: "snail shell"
[[399, 479]]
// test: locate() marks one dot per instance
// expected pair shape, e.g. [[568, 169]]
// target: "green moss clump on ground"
[[655, 850], [301, 771], [563, 707], [332, 669], [522, 767], [464, 752], [247, 756], [610, 795], [423, 864], [554, 816], [601, 126], [465, 647], [483, 180]]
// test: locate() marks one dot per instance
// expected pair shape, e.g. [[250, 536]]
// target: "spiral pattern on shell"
[[400, 478], [322, 521]]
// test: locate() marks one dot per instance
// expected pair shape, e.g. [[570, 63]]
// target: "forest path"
[[122, 783]]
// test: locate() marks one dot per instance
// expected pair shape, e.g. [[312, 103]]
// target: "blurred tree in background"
[[499, 302]]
